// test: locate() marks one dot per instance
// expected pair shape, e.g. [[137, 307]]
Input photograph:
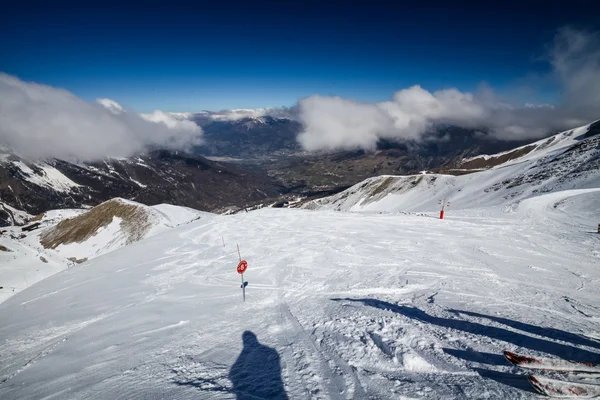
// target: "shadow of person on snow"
[[256, 373], [519, 339]]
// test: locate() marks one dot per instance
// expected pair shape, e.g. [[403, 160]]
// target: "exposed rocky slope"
[[160, 177]]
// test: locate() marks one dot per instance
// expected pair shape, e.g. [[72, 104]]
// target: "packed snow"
[[338, 305]]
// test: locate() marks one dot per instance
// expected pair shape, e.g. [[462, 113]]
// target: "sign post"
[[443, 203], [241, 268]]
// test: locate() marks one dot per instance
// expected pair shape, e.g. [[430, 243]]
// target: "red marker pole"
[[443, 203]]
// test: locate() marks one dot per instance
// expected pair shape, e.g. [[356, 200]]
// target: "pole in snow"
[[241, 268], [443, 203]]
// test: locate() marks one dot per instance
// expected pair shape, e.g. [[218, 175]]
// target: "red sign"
[[242, 266]]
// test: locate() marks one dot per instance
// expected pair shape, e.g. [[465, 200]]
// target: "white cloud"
[[542, 105], [171, 122], [40, 121], [111, 105], [332, 123]]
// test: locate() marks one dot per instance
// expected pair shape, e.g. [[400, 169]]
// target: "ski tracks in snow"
[[311, 369]]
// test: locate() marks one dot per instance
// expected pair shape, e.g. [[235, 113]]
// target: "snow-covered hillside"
[[568, 160], [385, 303], [161, 176], [338, 306], [68, 237], [112, 225]]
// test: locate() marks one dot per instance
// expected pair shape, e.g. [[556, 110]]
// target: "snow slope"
[[568, 160], [339, 306], [24, 265], [46, 176]]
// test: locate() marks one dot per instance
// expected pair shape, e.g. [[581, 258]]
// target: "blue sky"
[[218, 55]]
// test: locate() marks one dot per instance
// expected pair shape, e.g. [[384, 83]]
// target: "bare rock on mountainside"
[[159, 177], [135, 223], [76, 260], [111, 225], [492, 161]]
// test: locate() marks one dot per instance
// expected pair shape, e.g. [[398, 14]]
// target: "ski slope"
[[338, 306]]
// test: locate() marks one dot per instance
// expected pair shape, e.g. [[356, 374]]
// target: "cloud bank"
[[333, 123], [39, 121]]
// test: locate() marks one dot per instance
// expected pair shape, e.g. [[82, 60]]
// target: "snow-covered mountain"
[[159, 177], [57, 239], [568, 160]]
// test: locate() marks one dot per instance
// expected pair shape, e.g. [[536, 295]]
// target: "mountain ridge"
[[161, 176], [566, 161]]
